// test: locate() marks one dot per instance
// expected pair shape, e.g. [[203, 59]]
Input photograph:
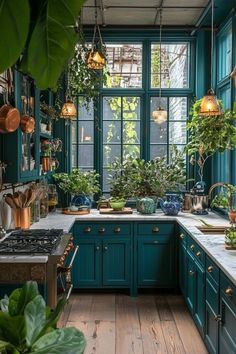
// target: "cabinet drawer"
[[212, 271], [228, 289], [196, 251], [155, 229], [95, 229]]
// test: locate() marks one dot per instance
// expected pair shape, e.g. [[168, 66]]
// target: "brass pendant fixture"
[[96, 59], [68, 110], [160, 115], [210, 105]]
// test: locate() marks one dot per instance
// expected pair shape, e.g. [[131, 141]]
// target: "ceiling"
[[144, 13]]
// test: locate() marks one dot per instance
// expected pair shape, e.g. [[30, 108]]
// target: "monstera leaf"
[[52, 41], [14, 25]]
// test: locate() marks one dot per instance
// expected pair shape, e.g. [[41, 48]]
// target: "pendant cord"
[[160, 51], [212, 40]]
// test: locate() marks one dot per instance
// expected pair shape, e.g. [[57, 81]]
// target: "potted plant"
[[81, 185], [27, 325], [224, 199], [209, 135], [230, 237]]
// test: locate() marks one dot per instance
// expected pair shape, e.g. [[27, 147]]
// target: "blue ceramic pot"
[[81, 201], [145, 205], [155, 200], [171, 205]]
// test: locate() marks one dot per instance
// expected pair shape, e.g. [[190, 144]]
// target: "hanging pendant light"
[[68, 110], [96, 58], [160, 115], [210, 105]]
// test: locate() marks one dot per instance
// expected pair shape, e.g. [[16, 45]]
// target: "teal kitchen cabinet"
[[104, 257], [21, 150], [195, 283], [182, 261], [155, 259], [227, 318]]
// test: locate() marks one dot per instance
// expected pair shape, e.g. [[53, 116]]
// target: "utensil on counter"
[[16, 199], [10, 201]]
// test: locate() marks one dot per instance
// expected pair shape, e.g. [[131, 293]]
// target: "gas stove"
[[39, 241]]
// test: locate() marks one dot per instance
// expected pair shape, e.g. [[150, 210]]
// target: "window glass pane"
[[111, 108], [158, 133], [111, 131], [131, 108], [124, 65], [110, 152], [224, 53], [157, 102], [86, 132], [105, 175], [178, 108], [74, 156], [158, 151], [131, 132], [177, 132], [83, 112], [73, 131], [86, 156], [131, 150], [175, 65]]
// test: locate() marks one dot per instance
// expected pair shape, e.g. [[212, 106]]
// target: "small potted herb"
[[224, 199], [230, 237], [117, 203]]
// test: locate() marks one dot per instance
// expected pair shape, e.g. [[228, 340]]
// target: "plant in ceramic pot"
[[230, 237], [225, 199], [209, 135], [81, 185]]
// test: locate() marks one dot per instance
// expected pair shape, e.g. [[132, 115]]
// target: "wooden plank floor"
[[148, 324]]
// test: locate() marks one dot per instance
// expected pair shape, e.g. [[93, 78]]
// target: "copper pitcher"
[[46, 164]]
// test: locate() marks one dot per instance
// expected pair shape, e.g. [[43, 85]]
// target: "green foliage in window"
[[27, 325], [209, 135], [78, 182]]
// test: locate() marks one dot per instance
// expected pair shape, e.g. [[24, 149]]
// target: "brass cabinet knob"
[[97, 248], [155, 229], [182, 236], [102, 230], [191, 273], [210, 269], [198, 254], [105, 248], [88, 229], [117, 230], [192, 247], [218, 318], [155, 241], [229, 292]]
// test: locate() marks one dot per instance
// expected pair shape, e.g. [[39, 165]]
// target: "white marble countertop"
[[213, 245]]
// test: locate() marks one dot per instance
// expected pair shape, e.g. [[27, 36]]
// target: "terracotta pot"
[[232, 216]]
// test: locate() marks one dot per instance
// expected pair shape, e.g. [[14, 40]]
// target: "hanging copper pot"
[[27, 124], [9, 118]]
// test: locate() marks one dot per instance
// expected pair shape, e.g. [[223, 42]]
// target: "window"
[[225, 53], [175, 63], [121, 130], [124, 65], [83, 137]]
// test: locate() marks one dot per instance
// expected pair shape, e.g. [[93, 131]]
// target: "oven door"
[[64, 284]]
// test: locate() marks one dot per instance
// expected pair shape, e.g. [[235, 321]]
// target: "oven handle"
[[69, 291], [68, 268], [73, 257]]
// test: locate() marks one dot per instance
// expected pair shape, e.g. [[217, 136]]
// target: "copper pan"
[[9, 118], [27, 123]]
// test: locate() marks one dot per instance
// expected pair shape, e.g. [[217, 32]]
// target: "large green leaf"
[[65, 340], [35, 317], [52, 42], [14, 24], [28, 293], [12, 329], [7, 346]]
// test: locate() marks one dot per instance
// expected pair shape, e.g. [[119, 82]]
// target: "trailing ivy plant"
[[209, 135], [40, 35], [28, 326], [81, 79]]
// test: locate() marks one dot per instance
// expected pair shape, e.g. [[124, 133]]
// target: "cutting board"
[[112, 211], [77, 212]]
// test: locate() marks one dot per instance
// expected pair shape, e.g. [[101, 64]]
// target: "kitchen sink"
[[213, 229]]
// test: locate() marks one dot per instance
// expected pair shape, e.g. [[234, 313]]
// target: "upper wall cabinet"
[[224, 52], [20, 149]]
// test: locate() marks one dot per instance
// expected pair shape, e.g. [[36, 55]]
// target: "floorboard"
[[148, 324]]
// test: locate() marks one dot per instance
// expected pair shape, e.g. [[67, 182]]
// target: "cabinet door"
[[211, 335], [199, 297], [86, 270], [227, 338], [156, 261], [182, 268], [190, 281], [116, 261]]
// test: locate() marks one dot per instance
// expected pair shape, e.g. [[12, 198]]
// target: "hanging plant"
[[82, 79]]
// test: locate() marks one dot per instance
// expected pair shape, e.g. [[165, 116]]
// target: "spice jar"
[[52, 197], [44, 202]]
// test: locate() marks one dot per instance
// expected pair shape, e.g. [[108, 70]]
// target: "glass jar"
[[44, 202], [52, 197]]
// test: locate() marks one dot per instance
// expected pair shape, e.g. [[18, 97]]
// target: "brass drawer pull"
[[155, 229], [229, 292], [155, 242], [192, 247], [102, 230], [105, 248], [182, 236], [97, 248], [88, 229], [198, 254], [218, 318], [210, 269], [117, 230], [191, 273]]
